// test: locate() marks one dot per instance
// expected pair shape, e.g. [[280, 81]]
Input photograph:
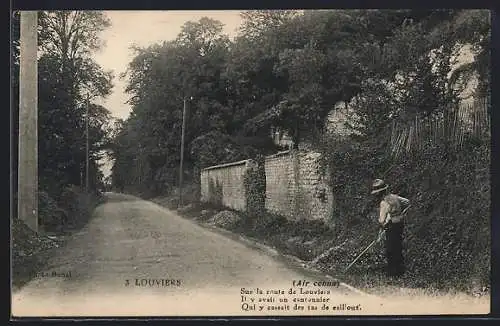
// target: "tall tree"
[[69, 79]]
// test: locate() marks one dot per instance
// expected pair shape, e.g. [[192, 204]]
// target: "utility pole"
[[27, 199], [182, 151], [139, 174], [87, 146]]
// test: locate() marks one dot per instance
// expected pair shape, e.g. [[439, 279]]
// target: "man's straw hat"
[[378, 186]]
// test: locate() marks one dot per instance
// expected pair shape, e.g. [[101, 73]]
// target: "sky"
[[144, 28]]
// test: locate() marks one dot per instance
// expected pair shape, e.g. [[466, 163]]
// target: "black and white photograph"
[[331, 162]]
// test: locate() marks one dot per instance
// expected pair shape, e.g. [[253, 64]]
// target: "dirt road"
[[135, 258]]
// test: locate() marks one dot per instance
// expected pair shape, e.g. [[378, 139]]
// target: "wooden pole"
[[182, 151], [87, 149], [28, 121]]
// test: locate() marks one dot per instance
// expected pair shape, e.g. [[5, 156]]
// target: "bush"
[[50, 215], [352, 166], [78, 205], [255, 188]]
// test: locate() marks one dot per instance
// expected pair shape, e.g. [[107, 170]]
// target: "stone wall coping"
[[225, 165]]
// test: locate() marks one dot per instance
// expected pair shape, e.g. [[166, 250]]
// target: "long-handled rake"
[[366, 249], [379, 237]]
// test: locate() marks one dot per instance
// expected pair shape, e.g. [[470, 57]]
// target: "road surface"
[[135, 258]]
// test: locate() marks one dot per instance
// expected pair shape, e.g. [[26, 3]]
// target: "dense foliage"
[[254, 182]]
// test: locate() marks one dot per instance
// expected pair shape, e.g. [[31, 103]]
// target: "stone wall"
[[280, 184], [295, 186], [224, 185]]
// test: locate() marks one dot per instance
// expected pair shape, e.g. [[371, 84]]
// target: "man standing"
[[392, 209]]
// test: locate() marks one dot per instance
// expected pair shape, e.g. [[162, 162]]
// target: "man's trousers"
[[394, 248]]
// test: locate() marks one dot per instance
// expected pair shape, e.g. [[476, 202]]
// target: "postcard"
[[251, 163]]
